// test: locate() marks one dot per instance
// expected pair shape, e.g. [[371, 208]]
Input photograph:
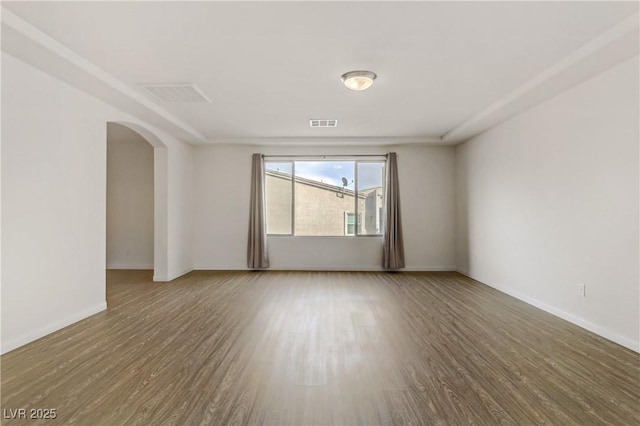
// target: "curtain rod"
[[324, 156]]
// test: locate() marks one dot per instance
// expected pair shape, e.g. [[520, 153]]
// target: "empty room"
[[320, 213]]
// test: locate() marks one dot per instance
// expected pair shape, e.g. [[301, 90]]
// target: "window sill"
[[323, 236]]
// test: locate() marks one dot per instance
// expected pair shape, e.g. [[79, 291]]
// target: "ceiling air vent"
[[323, 123], [175, 92]]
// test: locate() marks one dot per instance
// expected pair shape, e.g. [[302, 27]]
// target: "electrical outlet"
[[127, 252], [582, 287]]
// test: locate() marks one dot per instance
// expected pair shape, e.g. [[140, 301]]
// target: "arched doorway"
[[136, 234]]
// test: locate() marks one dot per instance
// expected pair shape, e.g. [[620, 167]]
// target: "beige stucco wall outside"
[[278, 190]]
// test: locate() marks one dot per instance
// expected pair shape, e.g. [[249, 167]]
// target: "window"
[[326, 197], [350, 223]]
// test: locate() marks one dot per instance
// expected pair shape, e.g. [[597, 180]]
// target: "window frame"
[[356, 159]]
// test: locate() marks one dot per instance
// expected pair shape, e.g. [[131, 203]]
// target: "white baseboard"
[[324, 268], [339, 268], [465, 273], [145, 266], [429, 269], [183, 272], [580, 322], [50, 328], [171, 277]]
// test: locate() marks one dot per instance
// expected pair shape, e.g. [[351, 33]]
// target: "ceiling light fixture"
[[358, 80]]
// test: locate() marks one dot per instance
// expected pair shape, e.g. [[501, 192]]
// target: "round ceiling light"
[[358, 80]]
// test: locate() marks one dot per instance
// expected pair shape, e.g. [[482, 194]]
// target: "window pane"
[[370, 197], [351, 223], [324, 194], [278, 197]]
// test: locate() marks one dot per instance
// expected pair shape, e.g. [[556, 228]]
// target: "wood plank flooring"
[[320, 348]]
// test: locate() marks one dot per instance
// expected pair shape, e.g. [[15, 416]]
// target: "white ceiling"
[[444, 68]]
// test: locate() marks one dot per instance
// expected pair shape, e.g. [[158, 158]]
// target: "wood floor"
[[331, 348]]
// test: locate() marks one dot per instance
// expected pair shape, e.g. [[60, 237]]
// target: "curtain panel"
[[393, 246], [257, 257]]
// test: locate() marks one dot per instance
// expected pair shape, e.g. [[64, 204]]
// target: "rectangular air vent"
[[323, 123], [175, 92]]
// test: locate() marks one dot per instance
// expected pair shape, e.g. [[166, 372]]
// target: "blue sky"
[[332, 172]]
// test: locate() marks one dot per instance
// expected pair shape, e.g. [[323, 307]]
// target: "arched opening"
[[136, 234]]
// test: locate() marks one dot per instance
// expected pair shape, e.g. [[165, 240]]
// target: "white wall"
[[129, 199], [180, 208], [54, 202], [549, 199], [223, 175]]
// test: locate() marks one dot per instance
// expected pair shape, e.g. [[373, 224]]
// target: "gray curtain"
[[257, 257], [393, 251]]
